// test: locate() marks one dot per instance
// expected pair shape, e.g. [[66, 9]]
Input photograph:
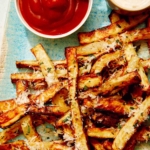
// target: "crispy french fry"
[[60, 100], [30, 77], [131, 125], [89, 81], [112, 85], [10, 132], [134, 64], [114, 105], [106, 59], [45, 63], [51, 110], [29, 130], [13, 115], [113, 29], [109, 44], [21, 86], [34, 63], [47, 94], [72, 66], [102, 133], [7, 105]]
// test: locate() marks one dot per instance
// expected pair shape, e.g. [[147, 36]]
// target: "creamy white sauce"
[[132, 4]]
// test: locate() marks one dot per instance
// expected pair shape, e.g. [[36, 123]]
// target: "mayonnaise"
[[132, 4]]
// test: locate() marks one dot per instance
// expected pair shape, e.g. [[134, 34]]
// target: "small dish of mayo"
[[129, 7]]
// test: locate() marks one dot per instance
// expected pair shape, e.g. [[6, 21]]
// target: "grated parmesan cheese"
[[22, 98], [50, 79]]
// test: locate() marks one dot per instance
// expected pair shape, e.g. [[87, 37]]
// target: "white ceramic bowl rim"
[[128, 9], [54, 36]]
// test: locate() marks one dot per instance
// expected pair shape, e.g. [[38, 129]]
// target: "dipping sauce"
[[53, 17], [132, 4]]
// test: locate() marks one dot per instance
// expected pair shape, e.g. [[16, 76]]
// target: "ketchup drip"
[[53, 17]]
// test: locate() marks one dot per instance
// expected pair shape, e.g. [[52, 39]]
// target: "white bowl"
[[126, 8], [53, 36]]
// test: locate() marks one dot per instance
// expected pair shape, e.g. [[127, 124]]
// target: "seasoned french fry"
[[7, 105], [112, 84], [12, 116], [60, 100], [134, 64], [109, 44], [10, 132], [45, 63], [47, 94], [51, 110], [72, 66], [30, 77], [106, 59], [89, 81], [102, 133], [114, 105], [21, 86], [34, 63], [113, 29], [131, 125], [28, 129]]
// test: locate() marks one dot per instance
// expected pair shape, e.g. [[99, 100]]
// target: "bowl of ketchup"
[[53, 18]]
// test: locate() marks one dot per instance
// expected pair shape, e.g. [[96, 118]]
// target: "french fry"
[[28, 129], [113, 29], [60, 100], [7, 105], [45, 63], [51, 110], [134, 64], [112, 85], [47, 94], [33, 64], [104, 61], [131, 125], [12, 116], [114, 105], [21, 86], [30, 77], [89, 81], [109, 44], [72, 66], [10, 132], [102, 133]]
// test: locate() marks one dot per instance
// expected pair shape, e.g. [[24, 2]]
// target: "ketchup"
[[53, 17]]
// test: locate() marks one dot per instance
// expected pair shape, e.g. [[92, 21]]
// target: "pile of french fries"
[[97, 98]]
